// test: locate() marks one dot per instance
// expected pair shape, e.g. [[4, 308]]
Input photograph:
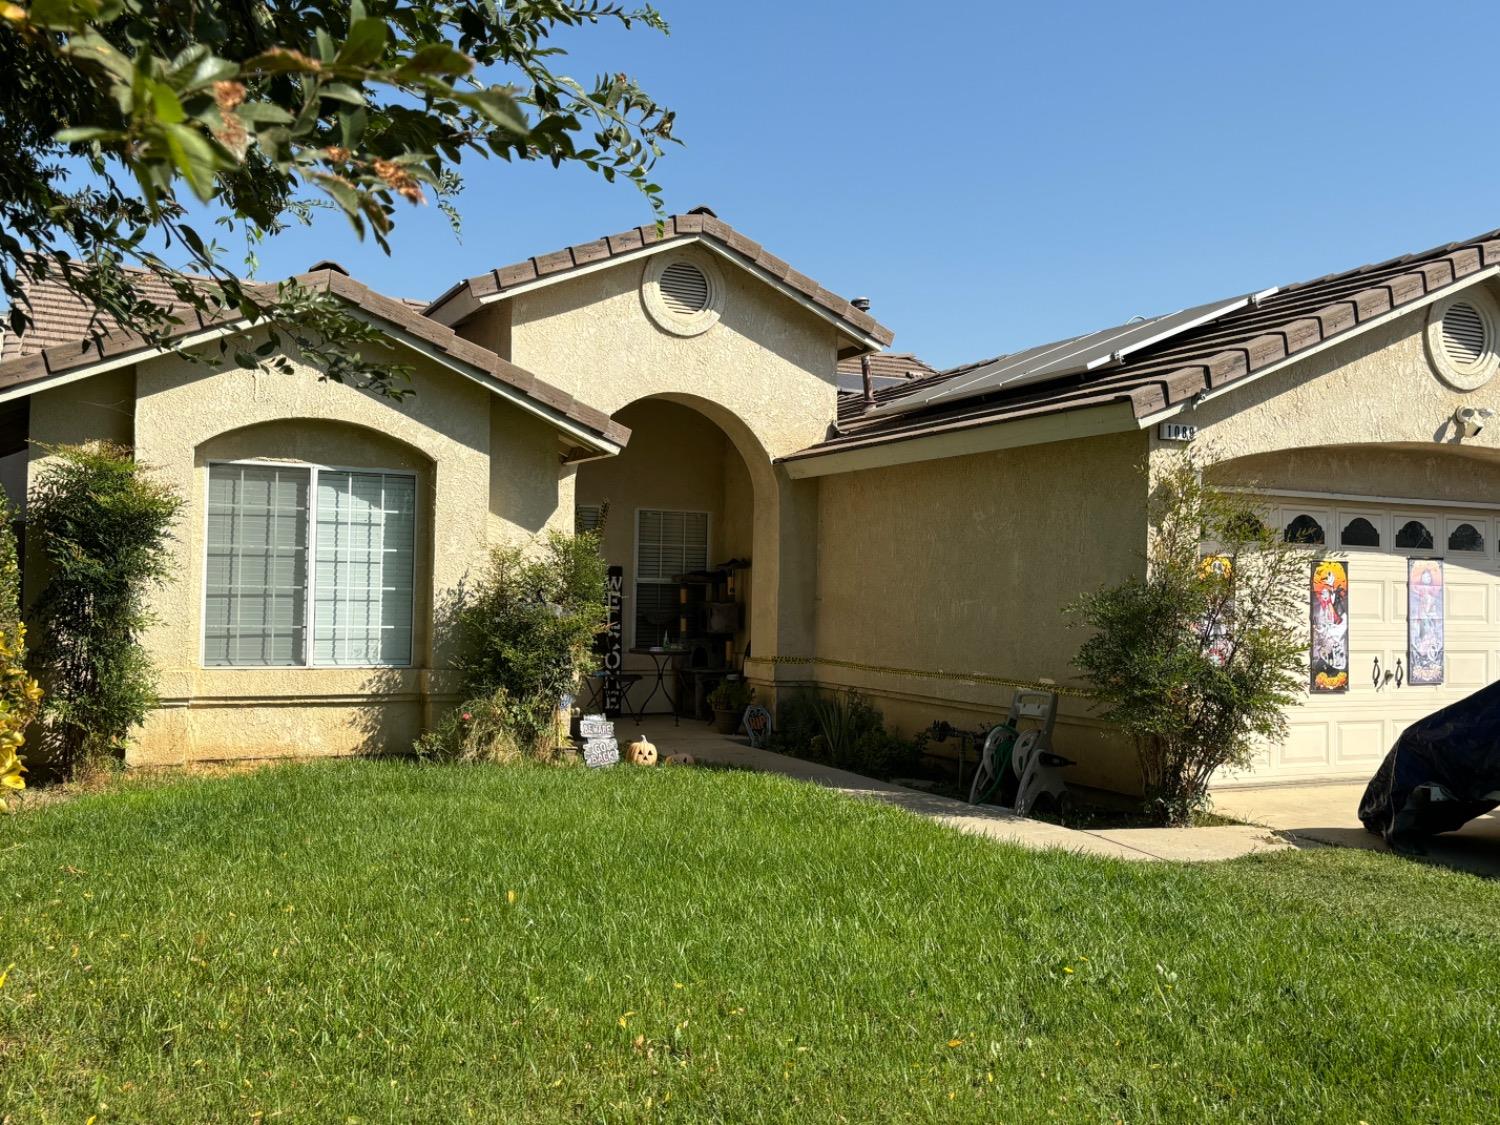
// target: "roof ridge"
[[493, 283]]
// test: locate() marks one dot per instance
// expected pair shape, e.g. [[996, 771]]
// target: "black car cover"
[[1442, 772]]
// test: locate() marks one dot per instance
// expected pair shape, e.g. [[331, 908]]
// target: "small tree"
[[1198, 660], [527, 632], [103, 527]]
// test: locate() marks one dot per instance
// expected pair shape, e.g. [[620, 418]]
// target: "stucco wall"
[[472, 455], [960, 567], [765, 374], [1377, 388]]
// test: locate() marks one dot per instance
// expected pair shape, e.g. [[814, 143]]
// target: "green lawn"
[[388, 942]]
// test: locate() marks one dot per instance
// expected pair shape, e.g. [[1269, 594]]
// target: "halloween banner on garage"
[[1329, 667], [1424, 621]]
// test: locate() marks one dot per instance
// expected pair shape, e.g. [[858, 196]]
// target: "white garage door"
[[1346, 735]]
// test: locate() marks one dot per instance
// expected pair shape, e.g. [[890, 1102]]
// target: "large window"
[[264, 605], [667, 544]]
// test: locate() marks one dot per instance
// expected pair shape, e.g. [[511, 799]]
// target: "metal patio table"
[[662, 657]]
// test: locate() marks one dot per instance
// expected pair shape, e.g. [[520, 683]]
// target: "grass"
[[371, 942]]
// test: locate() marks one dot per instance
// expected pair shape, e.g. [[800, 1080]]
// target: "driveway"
[[1327, 813]]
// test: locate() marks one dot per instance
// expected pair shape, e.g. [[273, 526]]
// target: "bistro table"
[[661, 656]]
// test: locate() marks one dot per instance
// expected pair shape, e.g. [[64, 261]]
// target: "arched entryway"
[[688, 514]]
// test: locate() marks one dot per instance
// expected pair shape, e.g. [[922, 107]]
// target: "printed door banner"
[[1215, 631], [1328, 669], [1424, 621]]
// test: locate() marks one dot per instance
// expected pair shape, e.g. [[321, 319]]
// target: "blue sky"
[[997, 175]]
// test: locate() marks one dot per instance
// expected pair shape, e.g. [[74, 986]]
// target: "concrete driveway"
[[1327, 813]]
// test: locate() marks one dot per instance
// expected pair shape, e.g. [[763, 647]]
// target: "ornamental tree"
[[1198, 660], [115, 112]]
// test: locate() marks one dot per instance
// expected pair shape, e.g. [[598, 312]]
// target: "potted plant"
[[728, 702]]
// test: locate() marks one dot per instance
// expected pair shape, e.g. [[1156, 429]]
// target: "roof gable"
[[31, 367], [702, 227]]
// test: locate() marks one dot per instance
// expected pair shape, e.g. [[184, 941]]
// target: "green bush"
[[1198, 660], [103, 527], [731, 695], [20, 695], [844, 730], [526, 633]]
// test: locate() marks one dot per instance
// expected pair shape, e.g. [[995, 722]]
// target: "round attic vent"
[[1461, 338], [683, 295], [1464, 337], [684, 289]]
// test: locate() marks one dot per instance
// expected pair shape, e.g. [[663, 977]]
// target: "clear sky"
[[995, 175]]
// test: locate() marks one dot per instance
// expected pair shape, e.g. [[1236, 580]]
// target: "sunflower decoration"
[[1336, 682]]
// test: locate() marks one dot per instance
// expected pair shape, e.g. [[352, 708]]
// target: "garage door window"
[[1304, 529], [1359, 532], [1414, 536], [1466, 537]]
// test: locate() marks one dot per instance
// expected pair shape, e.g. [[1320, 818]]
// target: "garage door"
[[1346, 735]]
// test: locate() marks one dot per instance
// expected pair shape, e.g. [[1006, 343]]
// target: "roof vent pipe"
[[863, 305]]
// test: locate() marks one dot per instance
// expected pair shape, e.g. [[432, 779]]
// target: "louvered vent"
[[1465, 338], [684, 289]]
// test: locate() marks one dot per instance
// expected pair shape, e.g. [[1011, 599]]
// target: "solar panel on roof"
[[1073, 356]]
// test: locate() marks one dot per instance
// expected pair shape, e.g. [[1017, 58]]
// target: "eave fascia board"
[[1169, 412], [124, 359], [469, 304], [1093, 421]]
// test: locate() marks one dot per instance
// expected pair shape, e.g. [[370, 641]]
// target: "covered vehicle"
[[1442, 772]]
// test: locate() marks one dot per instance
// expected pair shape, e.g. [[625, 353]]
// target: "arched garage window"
[[1304, 529], [1414, 536], [1359, 532], [1465, 537]]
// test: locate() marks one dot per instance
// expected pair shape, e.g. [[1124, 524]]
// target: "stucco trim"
[[1361, 498], [1110, 418]]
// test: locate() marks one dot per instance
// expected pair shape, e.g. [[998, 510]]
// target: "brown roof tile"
[[1288, 321], [58, 342], [694, 225]]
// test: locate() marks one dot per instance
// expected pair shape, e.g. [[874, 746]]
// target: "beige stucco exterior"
[[486, 474], [933, 582]]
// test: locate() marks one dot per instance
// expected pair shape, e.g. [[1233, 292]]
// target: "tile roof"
[[699, 223], [56, 346], [1280, 326], [887, 370]]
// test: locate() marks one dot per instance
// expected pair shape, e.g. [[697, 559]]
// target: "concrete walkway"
[[1327, 813], [1183, 844]]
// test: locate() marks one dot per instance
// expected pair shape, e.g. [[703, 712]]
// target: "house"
[[687, 381]]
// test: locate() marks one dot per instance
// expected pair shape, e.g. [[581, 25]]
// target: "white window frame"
[[635, 563], [310, 590]]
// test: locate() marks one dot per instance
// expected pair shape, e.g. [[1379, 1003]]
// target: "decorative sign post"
[[599, 745], [614, 642]]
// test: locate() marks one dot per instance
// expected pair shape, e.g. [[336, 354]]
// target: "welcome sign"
[[614, 641]]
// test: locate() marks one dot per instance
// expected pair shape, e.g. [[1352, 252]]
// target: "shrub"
[[731, 695], [20, 696], [844, 730], [1198, 661], [103, 527], [526, 632]]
